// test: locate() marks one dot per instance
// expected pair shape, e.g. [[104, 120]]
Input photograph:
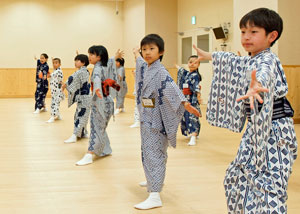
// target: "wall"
[[289, 46], [161, 18], [58, 28]]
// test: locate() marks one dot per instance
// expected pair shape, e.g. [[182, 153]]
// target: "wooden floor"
[[38, 172]]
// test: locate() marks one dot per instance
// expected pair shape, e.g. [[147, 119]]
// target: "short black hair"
[[264, 18], [121, 61], [101, 51], [83, 58], [154, 39], [45, 55], [200, 77], [57, 59]]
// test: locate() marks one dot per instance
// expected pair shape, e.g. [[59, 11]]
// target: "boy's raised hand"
[[253, 91], [192, 109], [202, 55], [136, 52], [119, 54]]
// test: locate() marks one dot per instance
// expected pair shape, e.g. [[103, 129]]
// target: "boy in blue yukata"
[[257, 180], [161, 105]]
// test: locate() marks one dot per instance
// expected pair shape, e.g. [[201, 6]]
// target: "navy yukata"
[[185, 79], [41, 85]]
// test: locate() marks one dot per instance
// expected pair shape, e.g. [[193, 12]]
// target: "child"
[[188, 82], [256, 181], [57, 95], [79, 91], [42, 73], [161, 105], [102, 103], [120, 98]]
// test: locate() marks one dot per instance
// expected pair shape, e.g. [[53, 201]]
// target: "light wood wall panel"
[[292, 73]]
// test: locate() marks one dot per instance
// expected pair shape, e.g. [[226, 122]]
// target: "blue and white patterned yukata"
[[190, 123], [159, 124], [257, 180], [120, 98], [79, 92], [41, 85], [102, 109], [57, 95]]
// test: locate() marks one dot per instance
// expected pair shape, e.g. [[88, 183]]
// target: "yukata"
[[190, 80], [41, 85], [79, 92], [57, 95], [257, 180], [159, 102], [136, 111], [120, 98], [102, 109]]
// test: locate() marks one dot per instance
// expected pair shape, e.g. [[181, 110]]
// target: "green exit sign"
[[193, 20]]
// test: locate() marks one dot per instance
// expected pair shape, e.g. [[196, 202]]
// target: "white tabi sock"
[[51, 120], [58, 117], [117, 111], [192, 141], [44, 109], [135, 125], [72, 139], [87, 159], [143, 184], [152, 201], [37, 111]]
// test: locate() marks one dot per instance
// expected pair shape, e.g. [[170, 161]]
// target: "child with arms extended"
[[78, 88], [254, 87], [189, 83]]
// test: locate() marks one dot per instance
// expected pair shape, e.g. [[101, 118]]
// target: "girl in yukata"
[[78, 88], [254, 87], [161, 105], [56, 78], [42, 73], [120, 98], [102, 103], [189, 83]]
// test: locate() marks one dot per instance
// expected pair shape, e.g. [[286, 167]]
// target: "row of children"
[[256, 181]]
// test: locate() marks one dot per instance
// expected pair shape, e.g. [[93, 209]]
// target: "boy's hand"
[[63, 86], [77, 52], [98, 93], [192, 109], [202, 55], [177, 66], [253, 91], [35, 57], [119, 54], [136, 52]]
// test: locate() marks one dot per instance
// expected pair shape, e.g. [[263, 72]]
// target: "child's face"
[[43, 59], [93, 58], [78, 64], [192, 65], [150, 53], [255, 40], [118, 64], [56, 64]]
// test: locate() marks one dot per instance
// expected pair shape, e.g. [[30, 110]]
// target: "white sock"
[[192, 141], [51, 120], [117, 111], [143, 184], [37, 111], [71, 139], [87, 159], [135, 125], [58, 117], [152, 201], [44, 109]]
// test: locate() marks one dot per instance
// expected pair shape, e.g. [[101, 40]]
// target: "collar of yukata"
[[99, 63], [154, 63], [262, 52]]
